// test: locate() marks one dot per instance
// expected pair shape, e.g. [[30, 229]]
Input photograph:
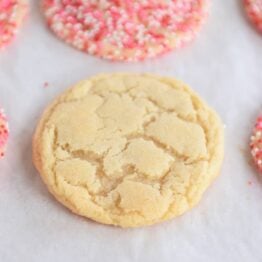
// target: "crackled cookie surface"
[[126, 29], [12, 13], [129, 149]]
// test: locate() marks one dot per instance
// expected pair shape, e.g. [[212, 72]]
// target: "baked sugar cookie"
[[12, 13], [124, 29], [254, 12], [4, 133], [128, 149], [256, 144]]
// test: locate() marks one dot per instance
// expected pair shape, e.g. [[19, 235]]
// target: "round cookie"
[[254, 12], [256, 144], [4, 133], [128, 149], [12, 13], [126, 30]]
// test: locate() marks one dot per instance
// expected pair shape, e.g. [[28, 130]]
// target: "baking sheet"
[[223, 65]]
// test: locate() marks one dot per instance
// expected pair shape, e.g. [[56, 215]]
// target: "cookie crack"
[[162, 109], [124, 211], [120, 93], [54, 146], [168, 210], [92, 196], [201, 124], [174, 154], [53, 171]]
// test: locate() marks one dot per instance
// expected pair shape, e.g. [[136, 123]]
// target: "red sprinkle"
[[128, 30], [254, 12], [256, 144]]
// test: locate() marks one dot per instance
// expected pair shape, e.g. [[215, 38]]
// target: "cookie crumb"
[[46, 84]]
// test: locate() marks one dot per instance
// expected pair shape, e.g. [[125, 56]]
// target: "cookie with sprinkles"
[[4, 133], [12, 14], [256, 144], [126, 30], [254, 12]]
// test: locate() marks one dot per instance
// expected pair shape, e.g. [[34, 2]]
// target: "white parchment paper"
[[223, 65]]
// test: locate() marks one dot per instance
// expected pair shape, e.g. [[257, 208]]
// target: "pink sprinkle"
[[125, 29], [46, 84]]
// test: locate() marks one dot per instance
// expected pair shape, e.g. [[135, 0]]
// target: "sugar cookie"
[[124, 29], [4, 133], [12, 13], [129, 149], [254, 12], [256, 144]]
